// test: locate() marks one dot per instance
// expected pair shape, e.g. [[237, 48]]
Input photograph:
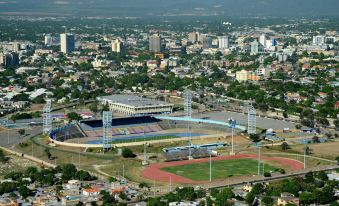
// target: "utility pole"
[[210, 166], [259, 156], [170, 183], [305, 143]]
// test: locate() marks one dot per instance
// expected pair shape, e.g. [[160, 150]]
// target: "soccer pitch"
[[220, 169]]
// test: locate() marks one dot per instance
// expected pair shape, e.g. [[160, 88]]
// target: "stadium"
[[135, 130]]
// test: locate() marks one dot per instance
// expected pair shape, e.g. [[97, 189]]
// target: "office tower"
[[116, 46], [207, 43], [16, 46], [318, 40], [201, 38], [155, 43], [254, 47], [330, 39], [262, 40], [67, 43], [193, 37], [223, 42], [48, 40], [9, 59]]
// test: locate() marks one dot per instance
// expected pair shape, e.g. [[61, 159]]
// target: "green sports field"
[[220, 169]]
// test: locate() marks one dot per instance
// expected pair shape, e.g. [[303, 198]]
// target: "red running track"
[[154, 172]]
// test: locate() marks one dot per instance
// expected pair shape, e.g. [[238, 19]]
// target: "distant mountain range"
[[141, 8]]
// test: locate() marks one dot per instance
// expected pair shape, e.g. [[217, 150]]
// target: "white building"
[[116, 46], [242, 75], [223, 42], [262, 40], [133, 105], [67, 43], [254, 48], [182, 203], [319, 40]]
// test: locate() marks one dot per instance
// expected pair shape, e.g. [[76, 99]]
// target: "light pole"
[[210, 166], [258, 144], [305, 143]]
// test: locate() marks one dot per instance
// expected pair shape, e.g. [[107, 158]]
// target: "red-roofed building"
[[336, 105]]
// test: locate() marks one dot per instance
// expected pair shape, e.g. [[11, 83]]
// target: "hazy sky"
[[176, 7]]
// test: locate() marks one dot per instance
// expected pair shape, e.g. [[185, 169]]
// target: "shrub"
[[127, 153]]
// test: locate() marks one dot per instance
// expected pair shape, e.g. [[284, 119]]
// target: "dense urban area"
[[264, 90]]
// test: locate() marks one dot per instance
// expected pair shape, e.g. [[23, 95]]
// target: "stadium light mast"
[[251, 119], [107, 130], [232, 124], [47, 117], [258, 145], [145, 162], [188, 114]]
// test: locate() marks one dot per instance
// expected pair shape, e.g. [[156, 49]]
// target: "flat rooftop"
[[133, 100]]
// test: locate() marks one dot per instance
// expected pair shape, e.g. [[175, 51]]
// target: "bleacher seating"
[[177, 155]]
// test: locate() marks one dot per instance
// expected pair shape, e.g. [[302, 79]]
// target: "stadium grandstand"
[[133, 105]]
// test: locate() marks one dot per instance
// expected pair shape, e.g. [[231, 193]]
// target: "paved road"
[[11, 137], [262, 122]]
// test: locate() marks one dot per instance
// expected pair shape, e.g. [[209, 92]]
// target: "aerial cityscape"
[[169, 103]]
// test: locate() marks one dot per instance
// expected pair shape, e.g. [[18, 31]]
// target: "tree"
[[3, 157], [268, 201], [315, 139], [68, 171], [249, 199], [337, 159], [94, 107], [298, 126], [22, 132], [48, 153], [73, 116], [24, 192], [255, 137], [336, 123], [284, 146], [127, 153]]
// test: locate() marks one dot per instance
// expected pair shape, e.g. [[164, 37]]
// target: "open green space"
[[220, 169]]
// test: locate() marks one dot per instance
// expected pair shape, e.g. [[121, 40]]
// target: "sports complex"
[[169, 147], [186, 164]]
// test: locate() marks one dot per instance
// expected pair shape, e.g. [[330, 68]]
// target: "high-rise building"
[[262, 40], [16, 46], [9, 59], [207, 43], [48, 40], [116, 46], [193, 37], [254, 47], [318, 40], [223, 42], [155, 43], [67, 43], [201, 38]]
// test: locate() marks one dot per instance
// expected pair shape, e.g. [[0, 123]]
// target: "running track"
[[154, 172]]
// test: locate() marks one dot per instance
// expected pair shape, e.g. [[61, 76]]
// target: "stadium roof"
[[132, 100]]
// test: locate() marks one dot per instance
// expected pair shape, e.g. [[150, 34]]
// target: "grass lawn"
[[220, 169]]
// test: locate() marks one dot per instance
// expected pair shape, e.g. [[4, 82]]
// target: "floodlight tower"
[[145, 162], [232, 124], [188, 114], [47, 117], [107, 130], [251, 119], [258, 145]]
